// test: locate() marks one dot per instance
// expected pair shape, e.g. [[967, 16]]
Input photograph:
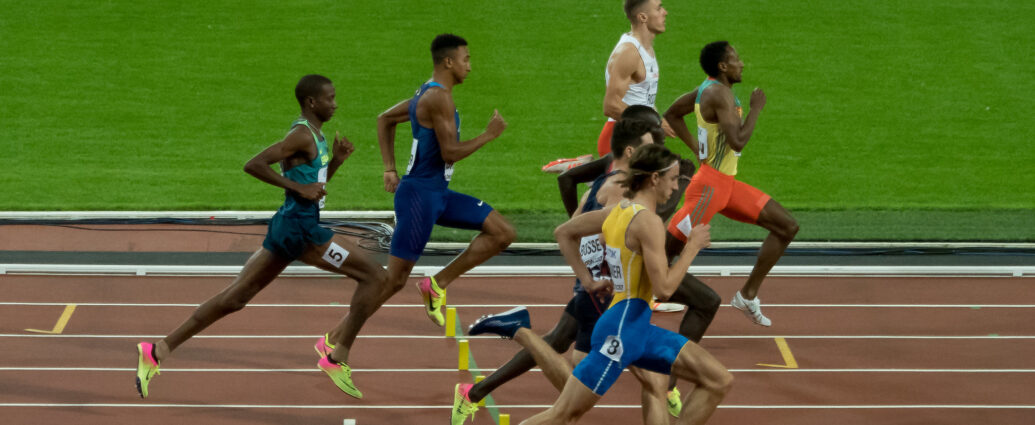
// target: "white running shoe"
[[751, 308], [661, 307]]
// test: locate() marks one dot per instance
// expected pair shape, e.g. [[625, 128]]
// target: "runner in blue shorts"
[[294, 234], [584, 309], [422, 197], [634, 240]]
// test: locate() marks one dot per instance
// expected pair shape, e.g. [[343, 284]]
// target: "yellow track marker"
[[465, 352], [504, 419], [788, 358], [450, 322], [477, 379], [62, 321]]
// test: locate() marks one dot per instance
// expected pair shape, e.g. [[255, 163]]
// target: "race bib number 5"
[[612, 348]]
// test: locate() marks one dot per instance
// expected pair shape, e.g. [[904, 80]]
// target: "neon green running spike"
[[675, 403], [147, 367], [341, 374], [462, 405]]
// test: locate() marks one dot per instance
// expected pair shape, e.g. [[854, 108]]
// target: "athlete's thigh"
[[663, 350], [340, 255], [703, 199], [416, 211], [774, 217], [462, 211], [697, 365], [745, 204]]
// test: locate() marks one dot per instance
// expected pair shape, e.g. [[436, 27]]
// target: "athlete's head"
[[450, 52], [652, 166], [646, 12], [629, 134], [316, 93], [646, 113], [720, 58]]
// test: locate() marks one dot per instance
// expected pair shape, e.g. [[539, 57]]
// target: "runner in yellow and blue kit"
[[635, 253]]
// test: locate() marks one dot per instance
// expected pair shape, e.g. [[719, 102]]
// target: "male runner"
[[422, 197], [294, 234], [721, 137], [632, 70], [583, 310], [623, 336]]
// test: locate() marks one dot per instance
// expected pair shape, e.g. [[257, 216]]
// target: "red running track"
[[868, 350]]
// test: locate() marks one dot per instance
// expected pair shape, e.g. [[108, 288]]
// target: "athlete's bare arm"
[[568, 236], [386, 123], [647, 236], [569, 180], [297, 147], [342, 149], [674, 116], [435, 110], [719, 101], [624, 68]]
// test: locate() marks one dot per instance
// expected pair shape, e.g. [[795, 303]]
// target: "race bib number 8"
[[612, 348], [613, 256]]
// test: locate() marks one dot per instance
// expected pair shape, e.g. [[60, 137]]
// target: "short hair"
[[711, 55], [632, 7], [646, 113], [443, 45], [628, 132], [646, 160], [310, 86]]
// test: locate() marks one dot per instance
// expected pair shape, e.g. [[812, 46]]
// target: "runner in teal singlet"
[[294, 234]]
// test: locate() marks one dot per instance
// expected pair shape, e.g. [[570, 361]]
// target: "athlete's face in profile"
[[324, 104], [667, 183], [734, 66], [655, 16], [460, 63]]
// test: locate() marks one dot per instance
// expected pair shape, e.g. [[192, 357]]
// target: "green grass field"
[[886, 120]]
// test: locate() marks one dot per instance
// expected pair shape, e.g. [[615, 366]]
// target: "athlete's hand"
[[700, 236], [602, 289], [391, 181], [342, 147], [669, 132], [313, 191], [757, 99], [496, 124]]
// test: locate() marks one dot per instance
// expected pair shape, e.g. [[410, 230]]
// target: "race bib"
[[613, 257], [612, 348], [593, 255], [702, 143], [449, 172], [413, 155], [322, 178]]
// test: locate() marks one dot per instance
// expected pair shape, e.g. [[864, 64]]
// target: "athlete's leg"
[[712, 382], [497, 234], [559, 339], [344, 257], [702, 303], [258, 272], [652, 396], [576, 399], [554, 366], [782, 229]]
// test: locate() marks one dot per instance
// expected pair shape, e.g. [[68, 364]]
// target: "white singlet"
[[643, 92]]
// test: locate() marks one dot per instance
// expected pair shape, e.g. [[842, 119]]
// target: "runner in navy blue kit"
[[422, 197], [583, 310], [294, 234]]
